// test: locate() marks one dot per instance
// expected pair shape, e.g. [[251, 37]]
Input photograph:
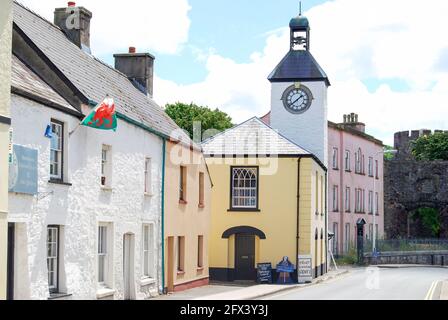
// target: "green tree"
[[185, 115], [432, 147], [388, 156], [431, 219]]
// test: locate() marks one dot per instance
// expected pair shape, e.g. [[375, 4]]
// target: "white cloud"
[[353, 40], [150, 25]]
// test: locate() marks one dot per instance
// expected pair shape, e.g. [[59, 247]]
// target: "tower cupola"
[[300, 32]]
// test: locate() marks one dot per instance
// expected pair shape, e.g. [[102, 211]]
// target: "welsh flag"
[[103, 117]]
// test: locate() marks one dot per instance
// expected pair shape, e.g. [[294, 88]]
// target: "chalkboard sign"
[[264, 273]]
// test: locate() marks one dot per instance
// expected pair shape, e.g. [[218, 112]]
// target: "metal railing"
[[407, 245]]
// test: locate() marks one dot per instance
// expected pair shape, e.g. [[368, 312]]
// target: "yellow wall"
[[278, 209], [5, 89], [187, 220]]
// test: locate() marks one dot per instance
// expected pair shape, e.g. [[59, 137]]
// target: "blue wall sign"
[[23, 173]]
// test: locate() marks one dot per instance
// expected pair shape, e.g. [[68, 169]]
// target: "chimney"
[[75, 22], [352, 121], [139, 68]]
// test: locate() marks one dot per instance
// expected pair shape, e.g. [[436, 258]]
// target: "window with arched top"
[[358, 161], [244, 188]]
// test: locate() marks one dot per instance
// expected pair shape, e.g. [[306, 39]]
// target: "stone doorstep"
[[263, 290]]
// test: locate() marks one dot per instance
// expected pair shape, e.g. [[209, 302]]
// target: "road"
[[372, 284]]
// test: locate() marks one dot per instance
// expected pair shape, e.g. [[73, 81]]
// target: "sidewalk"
[[262, 290], [444, 291]]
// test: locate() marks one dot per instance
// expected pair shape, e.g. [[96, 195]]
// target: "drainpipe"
[[326, 222], [163, 214], [298, 218]]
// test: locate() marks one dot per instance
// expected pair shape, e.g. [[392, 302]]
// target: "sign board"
[[23, 173], [264, 273], [305, 272]]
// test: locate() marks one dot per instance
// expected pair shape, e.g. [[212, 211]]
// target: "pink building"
[[355, 187]]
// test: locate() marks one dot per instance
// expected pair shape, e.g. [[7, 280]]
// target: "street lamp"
[[382, 152]]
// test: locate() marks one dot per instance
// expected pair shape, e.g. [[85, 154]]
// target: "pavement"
[[377, 283], [244, 291]]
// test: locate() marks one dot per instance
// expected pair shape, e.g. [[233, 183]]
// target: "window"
[[317, 193], [370, 167], [347, 238], [363, 165], [148, 251], [106, 166], [358, 200], [148, 176], [371, 202], [183, 184], [335, 199], [347, 160], [358, 162], [244, 188], [377, 235], [377, 203], [57, 150], [370, 232], [363, 201], [322, 195], [103, 257], [335, 158], [376, 169], [347, 199], [201, 190], [181, 254], [53, 258], [200, 251], [336, 238]]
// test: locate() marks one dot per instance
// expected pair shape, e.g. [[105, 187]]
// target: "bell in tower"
[[300, 33]]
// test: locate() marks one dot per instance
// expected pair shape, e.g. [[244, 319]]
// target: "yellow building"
[[5, 121], [268, 202], [187, 218]]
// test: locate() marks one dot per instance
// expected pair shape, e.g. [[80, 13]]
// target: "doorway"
[[245, 257], [170, 271], [10, 263], [128, 266]]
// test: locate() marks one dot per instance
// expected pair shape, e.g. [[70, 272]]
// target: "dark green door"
[[245, 257]]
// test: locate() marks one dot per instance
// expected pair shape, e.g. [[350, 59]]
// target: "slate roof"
[[298, 65], [251, 138], [92, 77], [26, 83]]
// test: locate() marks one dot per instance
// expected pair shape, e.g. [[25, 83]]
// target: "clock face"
[[297, 99]]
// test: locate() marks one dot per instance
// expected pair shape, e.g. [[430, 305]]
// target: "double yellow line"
[[430, 295]]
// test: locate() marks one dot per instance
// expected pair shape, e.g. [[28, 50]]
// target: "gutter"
[[163, 214], [298, 217]]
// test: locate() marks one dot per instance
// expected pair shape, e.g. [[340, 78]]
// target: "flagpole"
[[74, 130]]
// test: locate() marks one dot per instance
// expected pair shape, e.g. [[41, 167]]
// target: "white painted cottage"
[[85, 205]]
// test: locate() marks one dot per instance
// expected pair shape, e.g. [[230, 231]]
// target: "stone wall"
[[411, 184], [431, 258]]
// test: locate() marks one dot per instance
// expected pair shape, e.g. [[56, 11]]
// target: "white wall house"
[[70, 236]]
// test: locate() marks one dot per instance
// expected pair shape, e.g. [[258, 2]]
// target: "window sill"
[[107, 189], [149, 195], [183, 202], [360, 212], [348, 171], [57, 296], [201, 206], [200, 269], [59, 182], [180, 273], [243, 210], [147, 281], [104, 293], [336, 169]]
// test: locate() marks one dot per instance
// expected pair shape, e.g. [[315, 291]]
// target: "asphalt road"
[[372, 284]]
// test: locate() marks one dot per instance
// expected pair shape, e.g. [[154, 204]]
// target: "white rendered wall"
[[80, 207], [310, 129]]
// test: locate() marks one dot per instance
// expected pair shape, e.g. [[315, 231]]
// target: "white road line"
[[430, 294]]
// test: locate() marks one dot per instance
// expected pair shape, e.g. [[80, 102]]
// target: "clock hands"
[[297, 100]]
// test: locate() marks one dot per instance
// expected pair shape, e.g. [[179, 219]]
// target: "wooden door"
[[245, 257]]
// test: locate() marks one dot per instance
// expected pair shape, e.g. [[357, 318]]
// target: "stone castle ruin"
[[410, 185]]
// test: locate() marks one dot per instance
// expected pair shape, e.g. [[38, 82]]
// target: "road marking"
[[431, 291]]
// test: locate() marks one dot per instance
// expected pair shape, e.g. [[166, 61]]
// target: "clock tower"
[[299, 94]]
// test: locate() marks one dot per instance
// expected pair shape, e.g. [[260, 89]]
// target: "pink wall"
[[345, 140]]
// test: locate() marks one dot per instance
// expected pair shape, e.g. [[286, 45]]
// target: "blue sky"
[[387, 60]]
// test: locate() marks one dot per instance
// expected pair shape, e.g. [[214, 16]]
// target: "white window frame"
[[377, 199], [335, 158], [148, 176], [336, 238], [243, 196], [148, 251], [103, 254], [53, 257], [106, 166], [370, 167], [347, 238], [371, 202], [57, 128], [347, 199], [347, 160], [335, 198]]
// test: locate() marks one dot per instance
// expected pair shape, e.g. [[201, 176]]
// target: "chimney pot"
[[132, 50], [72, 4]]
